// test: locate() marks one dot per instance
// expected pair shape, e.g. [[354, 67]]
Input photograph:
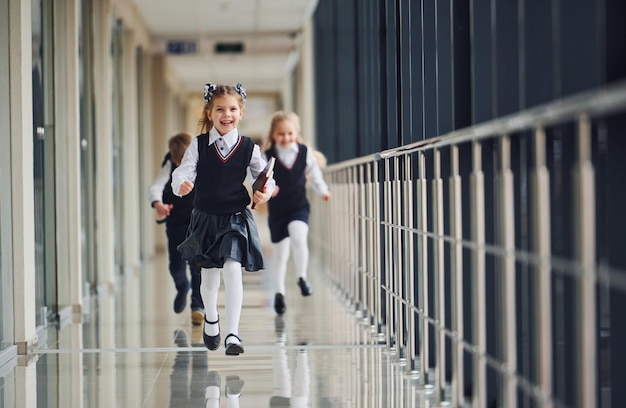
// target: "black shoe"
[[180, 301], [233, 349], [211, 342], [305, 288], [279, 304]]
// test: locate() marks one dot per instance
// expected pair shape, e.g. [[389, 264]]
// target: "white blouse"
[[288, 155], [187, 168]]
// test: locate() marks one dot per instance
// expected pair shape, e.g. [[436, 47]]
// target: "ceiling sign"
[[181, 47]]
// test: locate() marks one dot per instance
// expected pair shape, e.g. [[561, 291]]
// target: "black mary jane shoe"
[[211, 342], [279, 304], [305, 288], [233, 349]]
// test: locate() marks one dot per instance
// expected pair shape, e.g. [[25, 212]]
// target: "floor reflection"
[[193, 384], [288, 393], [131, 350]]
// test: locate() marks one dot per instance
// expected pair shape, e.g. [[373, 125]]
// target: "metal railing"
[[474, 255]]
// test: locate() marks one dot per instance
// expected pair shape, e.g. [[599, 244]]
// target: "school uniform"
[[176, 225], [222, 235], [292, 166], [221, 225], [289, 214]]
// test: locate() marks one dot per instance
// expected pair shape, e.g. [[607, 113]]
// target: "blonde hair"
[[321, 158], [204, 123], [277, 118], [178, 144]]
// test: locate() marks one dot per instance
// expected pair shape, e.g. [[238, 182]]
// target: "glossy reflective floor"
[[132, 350]]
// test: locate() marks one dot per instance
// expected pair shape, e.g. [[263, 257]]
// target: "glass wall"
[[6, 276], [87, 144], [43, 161], [118, 165]]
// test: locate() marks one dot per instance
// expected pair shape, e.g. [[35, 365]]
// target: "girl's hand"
[[275, 191], [162, 210], [186, 188], [261, 196], [326, 197]]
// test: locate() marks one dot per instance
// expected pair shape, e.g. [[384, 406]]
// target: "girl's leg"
[[177, 265], [280, 255], [298, 232], [209, 287], [233, 284], [196, 297]]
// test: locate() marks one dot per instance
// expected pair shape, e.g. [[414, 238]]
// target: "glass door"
[[87, 147], [118, 147], [43, 161], [118, 126]]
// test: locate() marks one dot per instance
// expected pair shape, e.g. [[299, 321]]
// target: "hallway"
[[472, 253], [131, 350]]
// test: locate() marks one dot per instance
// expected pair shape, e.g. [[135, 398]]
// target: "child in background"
[[222, 236], [177, 212], [289, 208]]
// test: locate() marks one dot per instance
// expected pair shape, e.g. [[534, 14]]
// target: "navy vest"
[[181, 211], [291, 181], [219, 182]]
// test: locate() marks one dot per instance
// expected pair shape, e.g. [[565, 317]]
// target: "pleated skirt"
[[278, 221], [212, 238]]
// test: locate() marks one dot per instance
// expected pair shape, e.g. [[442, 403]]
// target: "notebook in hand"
[[260, 181]]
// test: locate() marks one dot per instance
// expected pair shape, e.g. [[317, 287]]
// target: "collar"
[[229, 138], [291, 148]]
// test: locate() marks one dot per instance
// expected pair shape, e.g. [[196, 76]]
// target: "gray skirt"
[[212, 238]]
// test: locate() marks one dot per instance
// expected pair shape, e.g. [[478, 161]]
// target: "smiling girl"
[[289, 208], [222, 235]]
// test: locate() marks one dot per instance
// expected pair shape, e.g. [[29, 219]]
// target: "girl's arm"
[[314, 172], [257, 164], [187, 169], [155, 192]]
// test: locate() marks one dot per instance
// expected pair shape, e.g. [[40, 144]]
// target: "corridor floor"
[[132, 350]]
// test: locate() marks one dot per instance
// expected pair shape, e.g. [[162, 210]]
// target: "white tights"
[[233, 299], [297, 240]]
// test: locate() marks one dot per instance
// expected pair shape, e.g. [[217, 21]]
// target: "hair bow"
[[241, 90], [209, 89]]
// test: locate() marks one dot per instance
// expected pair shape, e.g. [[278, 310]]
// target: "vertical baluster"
[[330, 230], [456, 269], [387, 206], [340, 250], [362, 242], [422, 250], [380, 319], [398, 256], [477, 188], [369, 250], [337, 279], [355, 239], [508, 332], [345, 236], [410, 268], [439, 266], [585, 252], [543, 281], [352, 233]]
